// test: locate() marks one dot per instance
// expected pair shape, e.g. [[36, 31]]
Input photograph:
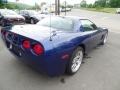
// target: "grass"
[[106, 10]]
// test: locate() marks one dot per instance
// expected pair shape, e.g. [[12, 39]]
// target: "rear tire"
[[75, 61]]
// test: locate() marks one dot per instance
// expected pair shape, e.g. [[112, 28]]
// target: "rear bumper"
[[46, 64]]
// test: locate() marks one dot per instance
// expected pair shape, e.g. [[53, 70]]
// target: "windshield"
[[8, 12], [57, 23]]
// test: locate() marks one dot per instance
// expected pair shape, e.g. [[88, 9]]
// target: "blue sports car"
[[55, 44]]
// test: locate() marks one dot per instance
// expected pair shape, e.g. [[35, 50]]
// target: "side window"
[[88, 25]]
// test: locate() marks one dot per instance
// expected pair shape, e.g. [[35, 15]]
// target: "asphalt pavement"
[[100, 70]]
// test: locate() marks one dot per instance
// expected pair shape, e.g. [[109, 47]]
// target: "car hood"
[[35, 32], [13, 16]]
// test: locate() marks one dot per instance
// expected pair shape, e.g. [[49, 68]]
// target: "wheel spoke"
[[77, 61], [74, 66]]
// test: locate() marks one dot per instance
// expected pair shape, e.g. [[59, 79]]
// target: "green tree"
[[89, 6], [100, 3], [107, 3], [83, 3], [1, 4], [114, 3], [37, 6]]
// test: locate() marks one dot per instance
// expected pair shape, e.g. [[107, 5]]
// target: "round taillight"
[[26, 44], [38, 49]]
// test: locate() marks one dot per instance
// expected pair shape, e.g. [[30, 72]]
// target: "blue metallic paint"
[[63, 43]]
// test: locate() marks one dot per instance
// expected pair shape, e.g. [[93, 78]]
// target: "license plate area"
[[16, 50]]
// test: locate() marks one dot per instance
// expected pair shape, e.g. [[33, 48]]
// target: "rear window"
[[58, 23]]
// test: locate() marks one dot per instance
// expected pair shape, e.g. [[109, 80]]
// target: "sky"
[[32, 2]]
